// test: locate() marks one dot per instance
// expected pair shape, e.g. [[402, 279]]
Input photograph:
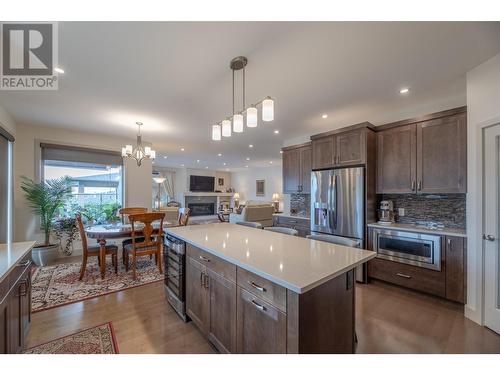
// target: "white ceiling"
[[175, 78]]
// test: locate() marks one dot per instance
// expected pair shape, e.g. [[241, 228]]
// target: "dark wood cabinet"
[[297, 169], [455, 269], [301, 224], [442, 155], [197, 294], [396, 160], [15, 307], [423, 157], [222, 327], [350, 148], [323, 152], [261, 326]]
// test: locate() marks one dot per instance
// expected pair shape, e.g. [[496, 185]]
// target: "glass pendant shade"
[[268, 109], [252, 117], [147, 151], [238, 123], [152, 154], [124, 152], [226, 128], [128, 149], [216, 135]]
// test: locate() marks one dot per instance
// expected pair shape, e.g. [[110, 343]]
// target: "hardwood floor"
[[388, 320]]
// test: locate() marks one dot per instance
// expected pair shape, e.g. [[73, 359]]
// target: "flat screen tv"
[[201, 183]]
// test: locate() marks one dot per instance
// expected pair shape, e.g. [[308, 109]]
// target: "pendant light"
[[223, 128], [139, 153]]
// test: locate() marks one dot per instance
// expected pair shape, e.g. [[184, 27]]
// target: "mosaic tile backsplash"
[[447, 209], [300, 204]]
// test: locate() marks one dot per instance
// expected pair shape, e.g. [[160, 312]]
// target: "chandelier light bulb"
[[216, 135], [238, 123], [152, 154], [124, 152], [129, 149], [252, 117], [147, 151], [226, 128], [268, 109]]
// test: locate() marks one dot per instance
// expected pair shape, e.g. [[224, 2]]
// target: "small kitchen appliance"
[[386, 213]]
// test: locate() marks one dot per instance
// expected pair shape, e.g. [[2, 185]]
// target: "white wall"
[[26, 163], [483, 106], [7, 121], [244, 182]]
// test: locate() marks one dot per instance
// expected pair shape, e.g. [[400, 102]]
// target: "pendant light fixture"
[[223, 128], [138, 152]]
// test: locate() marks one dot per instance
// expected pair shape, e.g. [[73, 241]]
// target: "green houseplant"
[[46, 199]]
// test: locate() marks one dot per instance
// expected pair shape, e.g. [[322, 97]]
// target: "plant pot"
[[44, 255]]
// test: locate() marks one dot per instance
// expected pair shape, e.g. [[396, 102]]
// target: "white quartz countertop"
[[296, 263], [422, 229], [11, 254]]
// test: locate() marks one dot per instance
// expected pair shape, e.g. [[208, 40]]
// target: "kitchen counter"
[[11, 254], [422, 229], [298, 264]]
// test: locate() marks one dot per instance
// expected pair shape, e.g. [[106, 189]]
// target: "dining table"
[[104, 232]]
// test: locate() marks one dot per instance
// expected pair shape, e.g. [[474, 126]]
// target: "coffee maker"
[[386, 213]]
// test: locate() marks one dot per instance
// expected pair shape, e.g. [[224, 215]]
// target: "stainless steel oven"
[[417, 249]]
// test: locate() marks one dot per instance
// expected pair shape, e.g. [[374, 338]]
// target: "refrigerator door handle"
[[335, 201]]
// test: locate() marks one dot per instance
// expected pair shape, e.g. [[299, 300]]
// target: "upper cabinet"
[[423, 157], [297, 169], [341, 148]]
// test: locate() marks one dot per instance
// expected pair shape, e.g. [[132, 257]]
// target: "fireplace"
[[201, 209]]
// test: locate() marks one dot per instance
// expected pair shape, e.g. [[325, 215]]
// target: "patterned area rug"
[[59, 285], [96, 340]]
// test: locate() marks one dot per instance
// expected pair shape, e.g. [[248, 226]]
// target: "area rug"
[[95, 340], [58, 285]]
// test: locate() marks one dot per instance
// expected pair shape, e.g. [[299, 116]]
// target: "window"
[[5, 186], [97, 180]]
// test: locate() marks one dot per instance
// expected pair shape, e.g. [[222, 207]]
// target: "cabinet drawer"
[[418, 278], [19, 269], [298, 221], [213, 262], [262, 288]]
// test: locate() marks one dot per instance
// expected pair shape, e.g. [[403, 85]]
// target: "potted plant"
[[66, 229], [45, 200]]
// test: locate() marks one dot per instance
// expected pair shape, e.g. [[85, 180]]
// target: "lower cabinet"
[[261, 327], [15, 308], [301, 224]]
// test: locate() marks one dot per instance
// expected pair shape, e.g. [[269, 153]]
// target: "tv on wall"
[[201, 183]]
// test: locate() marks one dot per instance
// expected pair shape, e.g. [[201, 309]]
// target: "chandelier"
[[139, 153], [223, 128]]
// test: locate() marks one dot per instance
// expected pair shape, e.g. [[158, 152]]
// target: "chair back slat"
[[127, 211], [147, 232], [184, 216], [83, 236]]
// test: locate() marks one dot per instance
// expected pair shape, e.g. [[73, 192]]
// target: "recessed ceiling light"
[[165, 157], [182, 148], [182, 165], [59, 70], [206, 167], [250, 146], [248, 159], [246, 166], [219, 154], [198, 160], [271, 162], [324, 115], [281, 151], [276, 132], [405, 90], [224, 163]]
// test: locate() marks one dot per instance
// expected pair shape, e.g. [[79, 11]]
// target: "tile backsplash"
[[448, 209], [300, 204]]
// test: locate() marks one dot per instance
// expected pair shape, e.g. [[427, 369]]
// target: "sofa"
[[255, 211]]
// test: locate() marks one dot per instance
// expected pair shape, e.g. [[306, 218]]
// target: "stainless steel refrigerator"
[[338, 205]]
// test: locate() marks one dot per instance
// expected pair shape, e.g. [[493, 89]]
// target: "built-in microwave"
[[417, 249]]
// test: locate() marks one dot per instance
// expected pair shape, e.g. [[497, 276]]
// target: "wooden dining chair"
[[184, 216], [95, 251], [124, 214], [152, 243]]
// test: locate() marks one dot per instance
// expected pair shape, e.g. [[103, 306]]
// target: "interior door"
[[491, 231]]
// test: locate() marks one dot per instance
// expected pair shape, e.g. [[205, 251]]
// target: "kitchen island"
[[255, 291]]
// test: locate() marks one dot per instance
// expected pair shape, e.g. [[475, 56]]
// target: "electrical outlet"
[[401, 211]]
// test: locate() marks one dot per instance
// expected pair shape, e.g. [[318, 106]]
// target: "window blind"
[[5, 184], [80, 154]]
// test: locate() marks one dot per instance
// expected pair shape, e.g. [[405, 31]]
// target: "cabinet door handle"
[[403, 275], [413, 185], [258, 305], [419, 185], [204, 258], [258, 287], [24, 290], [207, 282], [449, 244]]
